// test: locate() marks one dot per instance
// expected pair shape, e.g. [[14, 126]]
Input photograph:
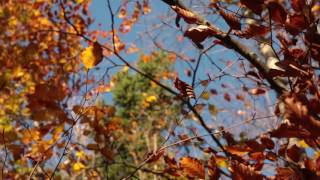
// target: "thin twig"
[[33, 170]]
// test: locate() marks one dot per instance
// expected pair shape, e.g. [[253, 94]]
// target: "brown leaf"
[[184, 88], [171, 162], [298, 111], [213, 171], [289, 131], [238, 150], [254, 145], [188, 16], [267, 142], [257, 91], [199, 33], [271, 156], [192, 167], [294, 153], [93, 147], [154, 156], [227, 96], [287, 173], [257, 156], [243, 172], [228, 137], [232, 20], [252, 30]]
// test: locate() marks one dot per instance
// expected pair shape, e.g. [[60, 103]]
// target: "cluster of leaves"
[[49, 112]]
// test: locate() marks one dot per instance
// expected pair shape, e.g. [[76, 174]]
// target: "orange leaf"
[[122, 13], [192, 167], [146, 7]]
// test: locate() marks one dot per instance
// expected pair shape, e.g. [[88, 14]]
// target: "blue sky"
[[161, 14]]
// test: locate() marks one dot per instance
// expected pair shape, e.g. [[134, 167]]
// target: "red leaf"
[[255, 6], [252, 31], [294, 153], [185, 89], [227, 97], [297, 5], [278, 13], [295, 24]]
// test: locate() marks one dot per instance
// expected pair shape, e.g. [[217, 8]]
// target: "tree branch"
[[240, 48]]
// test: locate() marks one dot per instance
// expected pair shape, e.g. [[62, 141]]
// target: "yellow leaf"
[[316, 8], [125, 69], [221, 162], [92, 55], [78, 167], [80, 154], [205, 95], [151, 98], [302, 144]]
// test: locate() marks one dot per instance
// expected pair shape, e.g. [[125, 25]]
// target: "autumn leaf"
[[188, 16], [213, 171], [256, 6], [154, 156], [192, 167], [92, 55], [252, 30], [241, 171], [146, 7], [232, 20], [184, 88], [199, 33], [213, 110], [78, 166], [277, 12]]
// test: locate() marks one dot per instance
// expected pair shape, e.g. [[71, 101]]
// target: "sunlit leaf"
[[192, 167], [92, 55]]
